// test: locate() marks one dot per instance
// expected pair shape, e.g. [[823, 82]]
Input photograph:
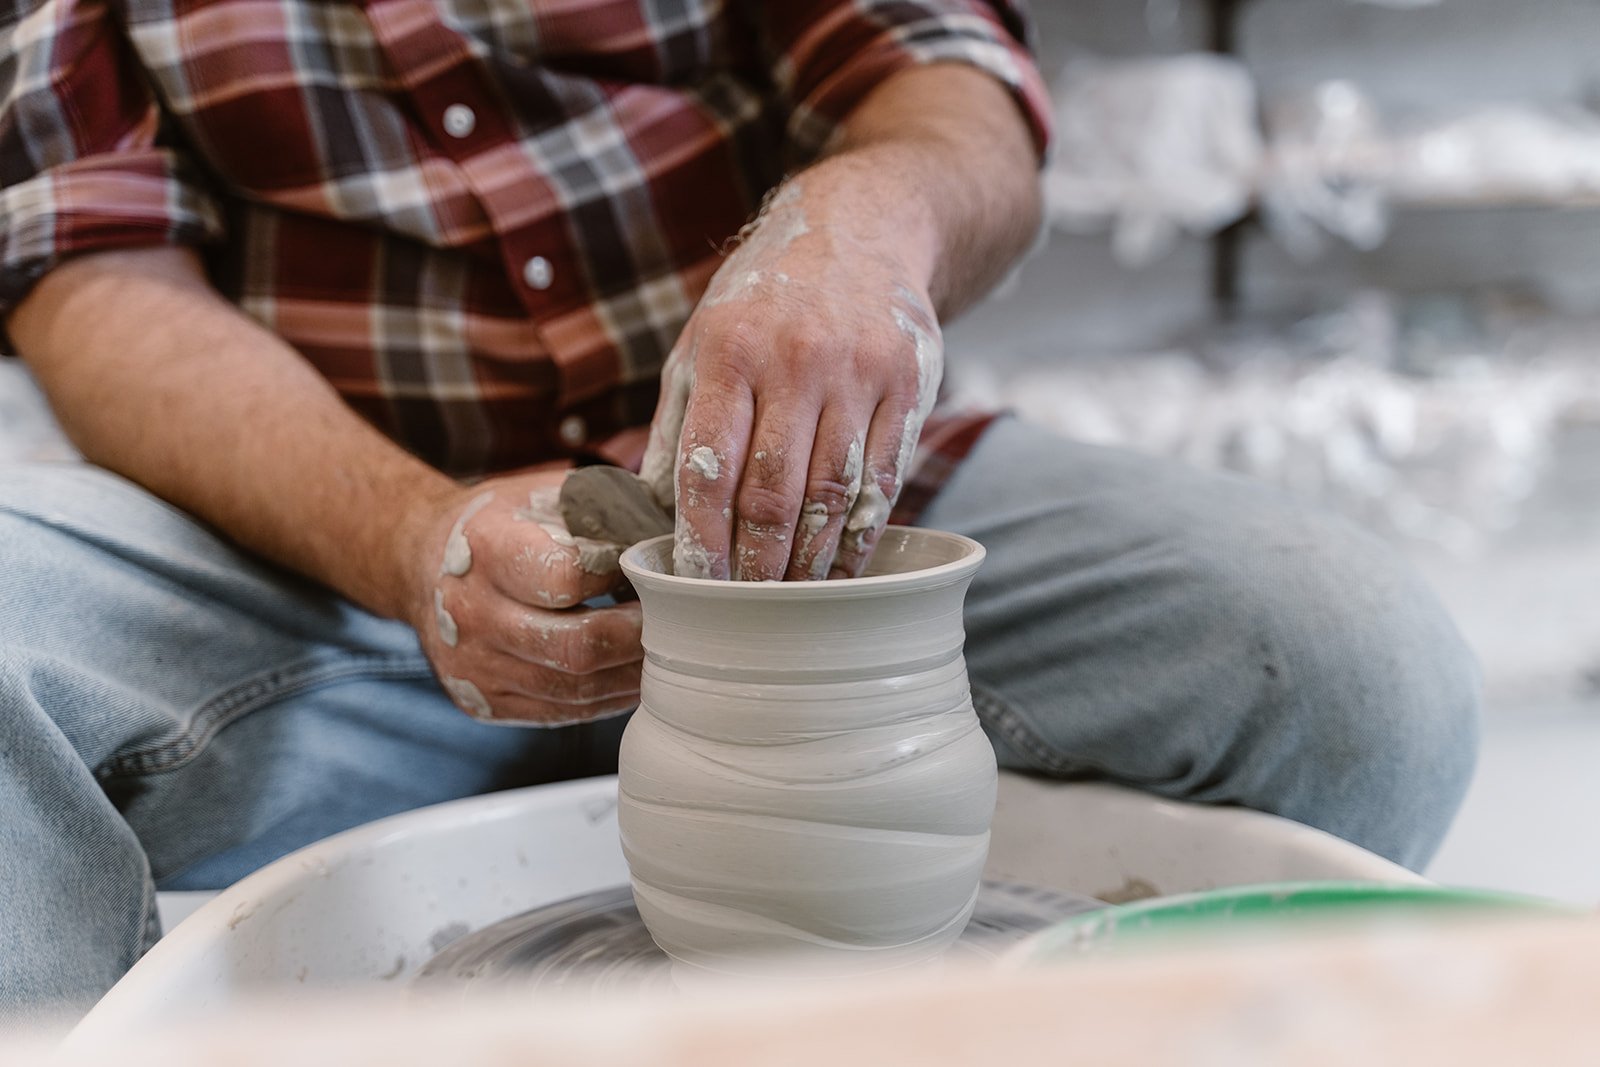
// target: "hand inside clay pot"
[[792, 404]]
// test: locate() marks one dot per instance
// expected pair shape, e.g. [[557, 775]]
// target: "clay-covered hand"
[[499, 586], [791, 406]]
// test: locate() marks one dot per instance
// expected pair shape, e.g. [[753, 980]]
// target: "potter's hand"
[[792, 403], [498, 587]]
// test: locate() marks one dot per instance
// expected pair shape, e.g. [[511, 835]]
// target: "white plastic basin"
[[371, 904]]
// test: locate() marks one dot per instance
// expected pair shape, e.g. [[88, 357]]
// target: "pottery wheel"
[[597, 941]]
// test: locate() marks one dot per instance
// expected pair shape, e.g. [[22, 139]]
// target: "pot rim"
[[926, 578]]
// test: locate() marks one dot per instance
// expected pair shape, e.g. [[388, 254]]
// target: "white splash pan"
[[371, 904]]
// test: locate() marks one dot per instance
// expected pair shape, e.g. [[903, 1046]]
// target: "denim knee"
[[1205, 637], [1371, 729], [27, 572]]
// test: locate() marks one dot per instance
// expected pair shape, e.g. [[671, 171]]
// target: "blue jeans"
[[175, 713]]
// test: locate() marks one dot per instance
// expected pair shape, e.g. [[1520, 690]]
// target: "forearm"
[[788, 467], [156, 377], [938, 164]]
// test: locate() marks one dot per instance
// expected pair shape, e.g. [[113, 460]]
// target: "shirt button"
[[538, 273], [573, 431], [459, 120]]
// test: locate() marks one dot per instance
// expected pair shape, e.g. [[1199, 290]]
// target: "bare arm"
[[158, 378], [944, 154], [792, 403]]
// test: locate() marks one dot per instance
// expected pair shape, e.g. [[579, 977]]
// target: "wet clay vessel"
[[805, 778]]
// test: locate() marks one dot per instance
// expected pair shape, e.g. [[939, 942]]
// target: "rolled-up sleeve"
[[84, 163], [829, 54]]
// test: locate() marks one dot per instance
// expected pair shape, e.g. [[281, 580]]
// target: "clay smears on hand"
[[448, 633], [813, 517], [468, 697], [544, 510], [748, 271], [457, 551], [658, 470], [869, 513], [690, 558], [703, 461]]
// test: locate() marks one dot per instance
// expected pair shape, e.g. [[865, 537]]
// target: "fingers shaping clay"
[[805, 777], [611, 504]]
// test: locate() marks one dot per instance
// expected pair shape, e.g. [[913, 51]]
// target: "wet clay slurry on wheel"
[[596, 943], [805, 777]]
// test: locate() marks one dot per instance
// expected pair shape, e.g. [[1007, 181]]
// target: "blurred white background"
[[1405, 324]]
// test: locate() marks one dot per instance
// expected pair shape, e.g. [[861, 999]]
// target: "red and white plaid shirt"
[[484, 221]]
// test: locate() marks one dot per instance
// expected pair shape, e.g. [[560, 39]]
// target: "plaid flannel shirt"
[[484, 221]]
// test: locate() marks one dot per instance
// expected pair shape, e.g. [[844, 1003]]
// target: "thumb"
[[660, 464]]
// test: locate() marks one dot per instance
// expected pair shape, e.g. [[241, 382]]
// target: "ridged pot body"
[[805, 777]]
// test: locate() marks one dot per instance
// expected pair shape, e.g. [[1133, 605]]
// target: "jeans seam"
[[1016, 731], [1011, 726], [115, 481], [253, 694], [151, 933]]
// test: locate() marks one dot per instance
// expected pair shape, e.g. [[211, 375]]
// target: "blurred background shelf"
[[1475, 310]]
